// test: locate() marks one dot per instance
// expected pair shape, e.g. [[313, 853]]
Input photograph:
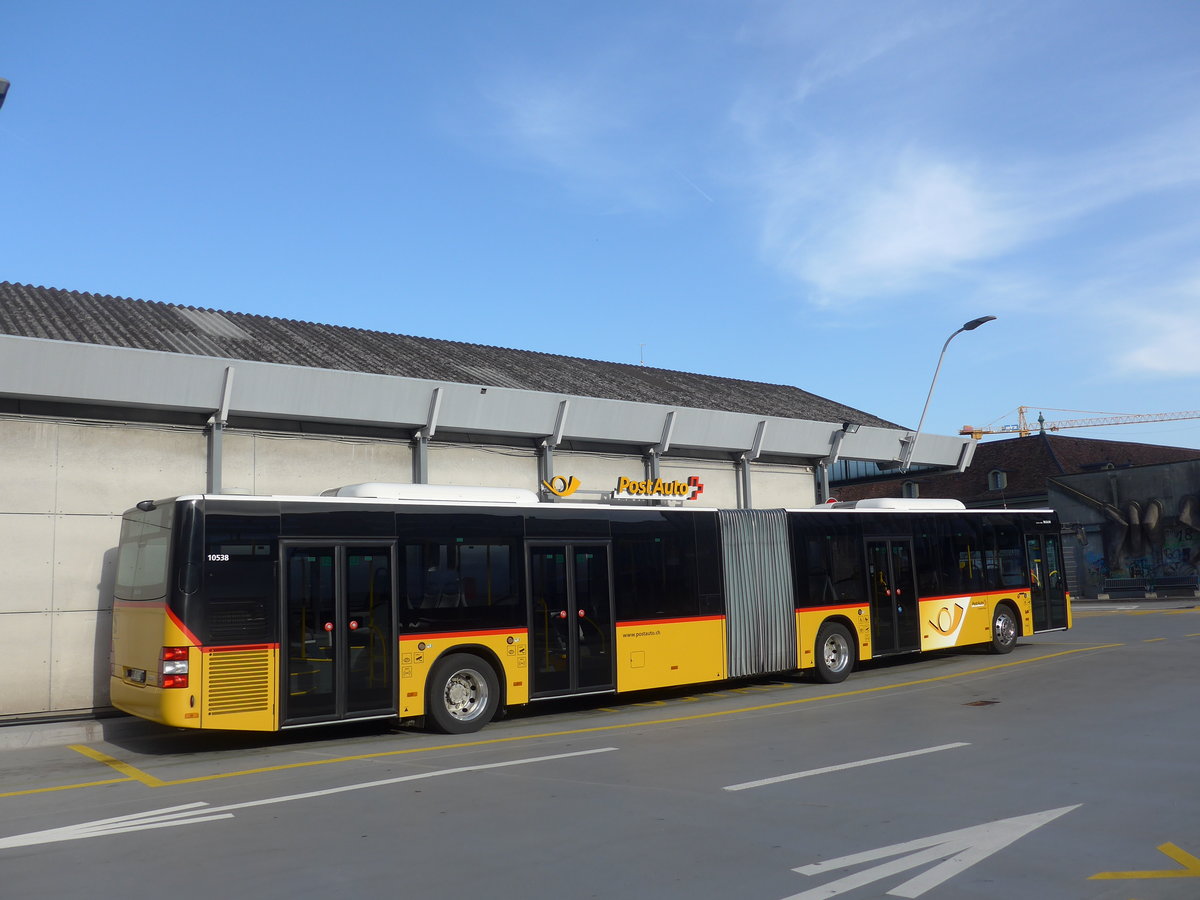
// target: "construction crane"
[[1023, 428]]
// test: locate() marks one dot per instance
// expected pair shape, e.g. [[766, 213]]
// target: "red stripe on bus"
[[639, 623], [805, 609], [978, 596], [187, 632], [442, 635]]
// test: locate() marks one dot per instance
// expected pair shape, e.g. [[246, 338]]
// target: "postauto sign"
[[648, 488]]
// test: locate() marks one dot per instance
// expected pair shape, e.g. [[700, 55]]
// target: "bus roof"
[[911, 504], [442, 493]]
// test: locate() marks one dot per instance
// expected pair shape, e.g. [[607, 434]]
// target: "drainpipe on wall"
[[215, 432]]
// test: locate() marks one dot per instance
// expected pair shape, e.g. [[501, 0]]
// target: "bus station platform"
[[32, 733]]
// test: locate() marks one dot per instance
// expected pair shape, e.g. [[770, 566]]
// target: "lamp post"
[[3, 90], [907, 454]]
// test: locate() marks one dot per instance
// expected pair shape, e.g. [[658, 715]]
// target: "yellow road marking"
[[66, 787], [1153, 640], [151, 781], [124, 768], [1191, 867]]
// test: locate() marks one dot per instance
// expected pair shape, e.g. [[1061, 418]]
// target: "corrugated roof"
[[55, 314]]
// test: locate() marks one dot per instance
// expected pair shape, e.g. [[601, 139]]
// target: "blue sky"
[[805, 193]]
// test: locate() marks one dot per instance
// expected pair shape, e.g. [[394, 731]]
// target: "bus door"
[[571, 625], [1047, 586], [338, 645], [892, 587]]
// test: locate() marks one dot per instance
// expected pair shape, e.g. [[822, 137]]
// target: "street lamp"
[[910, 446], [3, 90]]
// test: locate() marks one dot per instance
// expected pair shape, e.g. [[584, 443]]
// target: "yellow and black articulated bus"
[[262, 613]]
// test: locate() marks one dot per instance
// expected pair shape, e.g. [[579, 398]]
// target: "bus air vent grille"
[[238, 682]]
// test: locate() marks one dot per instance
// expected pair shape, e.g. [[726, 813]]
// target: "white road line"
[[435, 774], [840, 767], [193, 813]]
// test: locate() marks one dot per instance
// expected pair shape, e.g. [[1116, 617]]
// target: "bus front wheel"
[[463, 694], [834, 652], [1004, 629]]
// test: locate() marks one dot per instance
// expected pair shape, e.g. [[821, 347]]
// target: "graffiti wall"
[[1141, 522]]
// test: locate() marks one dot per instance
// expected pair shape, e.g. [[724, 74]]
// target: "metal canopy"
[[69, 372]]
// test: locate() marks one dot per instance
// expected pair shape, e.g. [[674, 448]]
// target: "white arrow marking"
[[191, 813], [964, 848], [840, 766], [155, 818]]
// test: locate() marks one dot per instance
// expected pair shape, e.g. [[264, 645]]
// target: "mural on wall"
[[1145, 539]]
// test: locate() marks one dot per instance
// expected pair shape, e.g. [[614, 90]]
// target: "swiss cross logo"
[[697, 487]]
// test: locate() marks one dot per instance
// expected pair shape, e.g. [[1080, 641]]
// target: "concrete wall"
[[293, 464], [65, 486], [791, 487], [482, 466]]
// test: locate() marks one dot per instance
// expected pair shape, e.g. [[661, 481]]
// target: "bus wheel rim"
[[466, 695], [837, 652]]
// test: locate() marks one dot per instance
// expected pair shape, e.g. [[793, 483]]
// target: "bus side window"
[[454, 582], [655, 566], [1011, 555], [829, 567]]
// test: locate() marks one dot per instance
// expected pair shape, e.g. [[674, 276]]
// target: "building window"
[[911, 490], [997, 480]]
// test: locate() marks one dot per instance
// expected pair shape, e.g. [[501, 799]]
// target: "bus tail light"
[[173, 667]]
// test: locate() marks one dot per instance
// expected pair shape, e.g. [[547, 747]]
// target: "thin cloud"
[[560, 124], [848, 56], [1158, 329], [885, 230], [593, 126]]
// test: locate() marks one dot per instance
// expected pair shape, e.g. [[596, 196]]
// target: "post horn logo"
[[561, 486], [947, 622]]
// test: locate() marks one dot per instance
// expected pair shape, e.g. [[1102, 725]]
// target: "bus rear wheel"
[[463, 694], [1004, 629], [834, 653]]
